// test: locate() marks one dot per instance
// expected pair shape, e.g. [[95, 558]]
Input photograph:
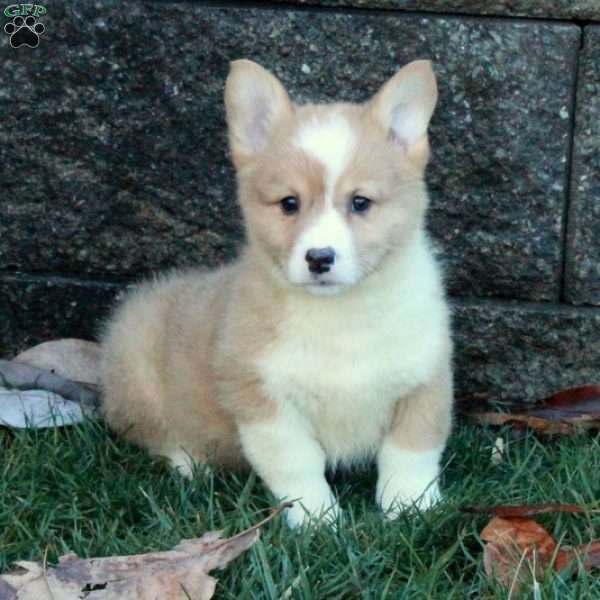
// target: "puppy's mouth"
[[323, 287]]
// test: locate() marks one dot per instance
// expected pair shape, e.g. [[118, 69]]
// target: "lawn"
[[80, 490]]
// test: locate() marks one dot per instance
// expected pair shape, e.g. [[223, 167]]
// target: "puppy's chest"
[[343, 374]]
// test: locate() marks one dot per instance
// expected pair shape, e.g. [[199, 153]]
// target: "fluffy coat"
[[292, 364]]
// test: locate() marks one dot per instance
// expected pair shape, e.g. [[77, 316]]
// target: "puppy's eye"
[[290, 205], [360, 204]]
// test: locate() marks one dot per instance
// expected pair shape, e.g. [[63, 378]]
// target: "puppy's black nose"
[[320, 259]]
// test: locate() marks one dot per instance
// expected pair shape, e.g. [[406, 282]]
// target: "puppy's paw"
[[185, 465], [407, 479], [395, 499], [313, 509]]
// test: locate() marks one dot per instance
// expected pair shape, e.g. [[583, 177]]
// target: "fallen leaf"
[[52, 384], [516, 550], [588, 553], [526, 510], [519, 550], [527, 534], [77, 360], [565, 412], [38, 409], [181, 573], [21, 376]]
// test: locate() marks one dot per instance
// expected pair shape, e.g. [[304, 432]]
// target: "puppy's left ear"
[[405, 103]]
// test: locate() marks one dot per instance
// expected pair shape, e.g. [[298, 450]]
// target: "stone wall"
[[574, 10], [114, 160]]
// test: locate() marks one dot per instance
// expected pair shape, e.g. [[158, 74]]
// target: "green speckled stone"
[[524, 351], [583, 247], [116, 149], [114, 157], [544, 9], [45, 308]]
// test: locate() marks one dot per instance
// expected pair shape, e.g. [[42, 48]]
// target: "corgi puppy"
[[327, 342]]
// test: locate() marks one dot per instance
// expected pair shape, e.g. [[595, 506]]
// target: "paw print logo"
[[24, 31]]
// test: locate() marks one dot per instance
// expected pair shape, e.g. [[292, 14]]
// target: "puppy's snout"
[[320, 259]]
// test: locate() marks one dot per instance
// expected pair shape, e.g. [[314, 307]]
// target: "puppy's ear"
[[255, 102], [405, 103]]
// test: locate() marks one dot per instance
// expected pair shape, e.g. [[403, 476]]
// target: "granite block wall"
[[576, 10], [582, 272], [114, 165]]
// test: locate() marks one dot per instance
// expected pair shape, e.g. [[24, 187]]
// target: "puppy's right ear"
[[255, 102]]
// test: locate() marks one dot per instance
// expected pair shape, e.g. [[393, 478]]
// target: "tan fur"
[[185, 359], [158, 364], [423, 419]]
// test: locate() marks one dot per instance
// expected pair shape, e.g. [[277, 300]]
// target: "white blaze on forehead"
[[331, 142]]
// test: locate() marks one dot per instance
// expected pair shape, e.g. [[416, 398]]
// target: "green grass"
[[80, 490]]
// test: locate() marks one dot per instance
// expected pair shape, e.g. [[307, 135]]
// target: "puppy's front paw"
[[313, 509], [407, 479], [394, 499], [182, 462], [298, 516]]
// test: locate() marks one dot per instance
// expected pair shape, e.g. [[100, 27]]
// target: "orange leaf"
[[526, 534], [588, 556], [514, 547], [517, 548], [525, 510], [565, 412]]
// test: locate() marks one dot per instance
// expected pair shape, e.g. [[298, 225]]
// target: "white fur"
[[407, 478], [343, 362], [332, 143], [329, 230], [286, 455], [181, 461]]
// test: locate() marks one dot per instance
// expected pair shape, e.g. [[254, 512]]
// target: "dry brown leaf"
[[527, 534], [566, 412], [518, 549], [526, 510], [177, 574], [77, 360], [515, 549], [588, 553]]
